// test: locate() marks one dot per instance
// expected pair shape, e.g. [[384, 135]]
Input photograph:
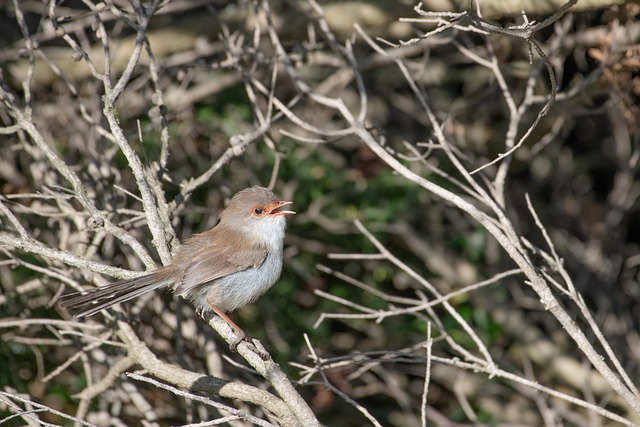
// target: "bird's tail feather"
[[86, 303]]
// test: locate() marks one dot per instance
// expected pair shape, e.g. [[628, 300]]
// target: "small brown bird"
[[222, 269]]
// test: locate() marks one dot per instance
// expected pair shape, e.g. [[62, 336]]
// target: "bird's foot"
[[260, 350], [240, 336]]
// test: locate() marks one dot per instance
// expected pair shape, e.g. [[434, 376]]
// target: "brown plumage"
[[221, 269]]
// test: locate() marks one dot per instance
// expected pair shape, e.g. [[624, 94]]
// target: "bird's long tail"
[[86, 303]]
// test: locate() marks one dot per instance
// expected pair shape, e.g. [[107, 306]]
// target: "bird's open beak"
[[275, 212]]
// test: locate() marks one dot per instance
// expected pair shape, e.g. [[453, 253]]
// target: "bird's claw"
[[240, 336], [260, 350]]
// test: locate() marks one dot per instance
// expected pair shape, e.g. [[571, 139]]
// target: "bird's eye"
[[258, 211]]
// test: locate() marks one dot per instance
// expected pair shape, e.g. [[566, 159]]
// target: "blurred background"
[[180, 114]]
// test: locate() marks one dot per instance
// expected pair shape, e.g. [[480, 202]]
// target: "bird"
[[222, 269]]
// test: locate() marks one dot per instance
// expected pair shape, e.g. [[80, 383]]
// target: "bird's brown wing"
[[212, 255]]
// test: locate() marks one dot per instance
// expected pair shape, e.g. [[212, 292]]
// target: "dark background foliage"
[[579, 168]]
